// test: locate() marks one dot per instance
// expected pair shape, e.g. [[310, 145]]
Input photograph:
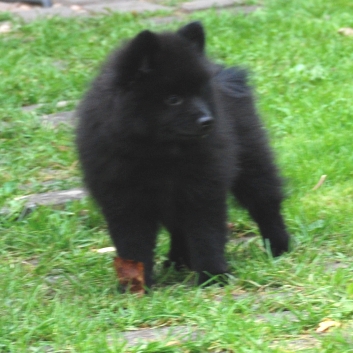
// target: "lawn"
[[58, 295]]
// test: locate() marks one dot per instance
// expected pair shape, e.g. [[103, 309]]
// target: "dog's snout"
[[205, 122]]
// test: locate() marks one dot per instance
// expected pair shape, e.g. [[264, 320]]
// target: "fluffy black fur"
[[163, 136]]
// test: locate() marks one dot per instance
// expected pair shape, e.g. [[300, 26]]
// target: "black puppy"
[[164, 135]]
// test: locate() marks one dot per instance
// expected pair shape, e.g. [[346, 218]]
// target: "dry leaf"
[[62, 104], [173, 343], [76, 8], [5, 27], [130, 274], [230, 226], [24, 7], [63, 148], [346, 31], [320, 182], [105, 250], [73, 165], [326, 324]]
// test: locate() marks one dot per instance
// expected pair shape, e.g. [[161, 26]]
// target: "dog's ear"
[[138, 57], [195, 34]]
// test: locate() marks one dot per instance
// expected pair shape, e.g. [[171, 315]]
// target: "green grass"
[[57, 295]]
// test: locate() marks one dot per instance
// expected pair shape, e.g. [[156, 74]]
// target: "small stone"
[[175, 333], [125, 6], [54, 120], [164, 20], [301, 343], [30, 108], [206, 4], [280, 315], [52, 198], [245, 9], [55, 198], [7, 7], [36, 13]]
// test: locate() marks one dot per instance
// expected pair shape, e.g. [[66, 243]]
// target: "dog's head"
[[164, 82]]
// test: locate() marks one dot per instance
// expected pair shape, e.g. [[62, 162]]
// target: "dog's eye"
[[174, 100]]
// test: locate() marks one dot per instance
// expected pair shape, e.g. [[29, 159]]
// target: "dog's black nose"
[[205, 122]]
